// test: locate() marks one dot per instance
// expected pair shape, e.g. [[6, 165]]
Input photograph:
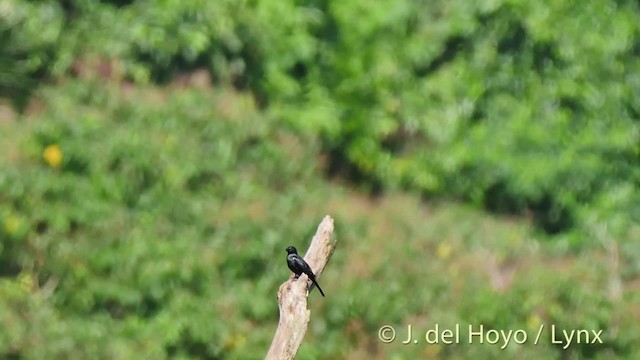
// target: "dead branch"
[[292, 296]]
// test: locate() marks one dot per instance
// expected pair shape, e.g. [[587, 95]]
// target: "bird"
[[297, 264]]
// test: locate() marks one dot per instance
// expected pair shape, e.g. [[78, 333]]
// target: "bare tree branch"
[[292, 296]]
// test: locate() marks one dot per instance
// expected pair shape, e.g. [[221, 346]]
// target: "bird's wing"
[[305, 267]]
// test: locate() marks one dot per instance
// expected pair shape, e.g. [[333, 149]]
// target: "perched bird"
[[297, 264]]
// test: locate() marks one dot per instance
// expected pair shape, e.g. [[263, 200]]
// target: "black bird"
[[297, 264]]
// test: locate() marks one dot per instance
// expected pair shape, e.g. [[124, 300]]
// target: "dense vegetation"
[[162, 155]]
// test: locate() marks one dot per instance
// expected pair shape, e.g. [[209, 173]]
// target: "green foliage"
[[516, 106], [139, 223], [129, 227], [143, 222], [28, 34]]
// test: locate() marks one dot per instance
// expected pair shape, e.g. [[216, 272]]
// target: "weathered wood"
[[292, 296]]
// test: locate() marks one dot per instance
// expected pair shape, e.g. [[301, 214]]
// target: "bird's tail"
[[318, 286]]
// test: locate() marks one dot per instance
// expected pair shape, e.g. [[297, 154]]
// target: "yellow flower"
[[444, 250], [235, 341], [25, 282], [534, 321], [11, 225], [53, 155]]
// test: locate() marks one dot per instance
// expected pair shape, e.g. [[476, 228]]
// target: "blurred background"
[[481, 160]]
